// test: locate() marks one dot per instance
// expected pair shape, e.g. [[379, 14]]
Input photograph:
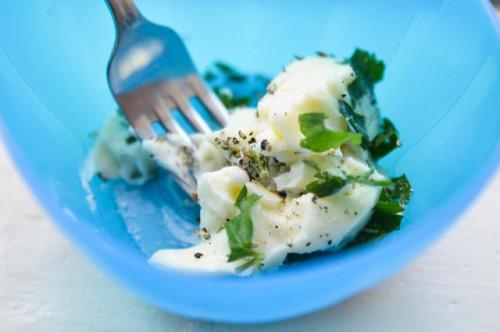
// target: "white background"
[[47, 285]]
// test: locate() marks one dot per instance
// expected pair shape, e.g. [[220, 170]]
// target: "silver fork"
[[150, 74]]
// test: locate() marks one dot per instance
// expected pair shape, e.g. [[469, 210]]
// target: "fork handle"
[[124, 12]]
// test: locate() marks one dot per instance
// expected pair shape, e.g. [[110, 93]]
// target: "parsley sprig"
[[318, 137], [240, 233]]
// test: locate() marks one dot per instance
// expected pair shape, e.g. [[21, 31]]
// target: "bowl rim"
[[113, 260]]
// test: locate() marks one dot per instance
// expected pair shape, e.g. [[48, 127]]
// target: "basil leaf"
[[386, 141], [318, 138], [326, 185], [240, 232]]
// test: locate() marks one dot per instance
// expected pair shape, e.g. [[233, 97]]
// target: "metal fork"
[[150, 74]]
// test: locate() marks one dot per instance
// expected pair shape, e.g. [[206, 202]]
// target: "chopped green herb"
[[209, 76], [225, 68], [231, 73], [355, 121], [386, 141], [257, 167], [326, 184], [241, 196], [388, 211], [365, 179], [234, 88], [369, 70], [367, 66], [318, 138], [227, 98], [240, 232]]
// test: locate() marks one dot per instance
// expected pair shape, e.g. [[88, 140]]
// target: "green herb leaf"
[[386, 141], [365, 179], [234, 88], [241, 197], [227, 98], [326, 184], [369, 70], [318, 138], [240, 232], [388, 211], [355, 121], [231, 73], [367, 66]]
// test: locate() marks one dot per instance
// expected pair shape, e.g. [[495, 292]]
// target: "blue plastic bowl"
[[442, 89]]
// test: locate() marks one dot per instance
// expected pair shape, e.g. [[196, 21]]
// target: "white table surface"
[[47, 285]]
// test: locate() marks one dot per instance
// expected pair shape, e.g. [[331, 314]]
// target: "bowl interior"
[[440, 89]]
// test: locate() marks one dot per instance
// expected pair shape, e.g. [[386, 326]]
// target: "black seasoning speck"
[[135, 174], [251, 140], [329, 242], [276, 226], [314, 199], [242, 135], [344, 95], [264, 144], [198, 255], [235, 141], [282, 194], [131, 139], [289, 245], [355, 213], [308, 244]]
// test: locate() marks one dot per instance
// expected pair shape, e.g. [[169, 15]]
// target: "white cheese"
[[297, 222]]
